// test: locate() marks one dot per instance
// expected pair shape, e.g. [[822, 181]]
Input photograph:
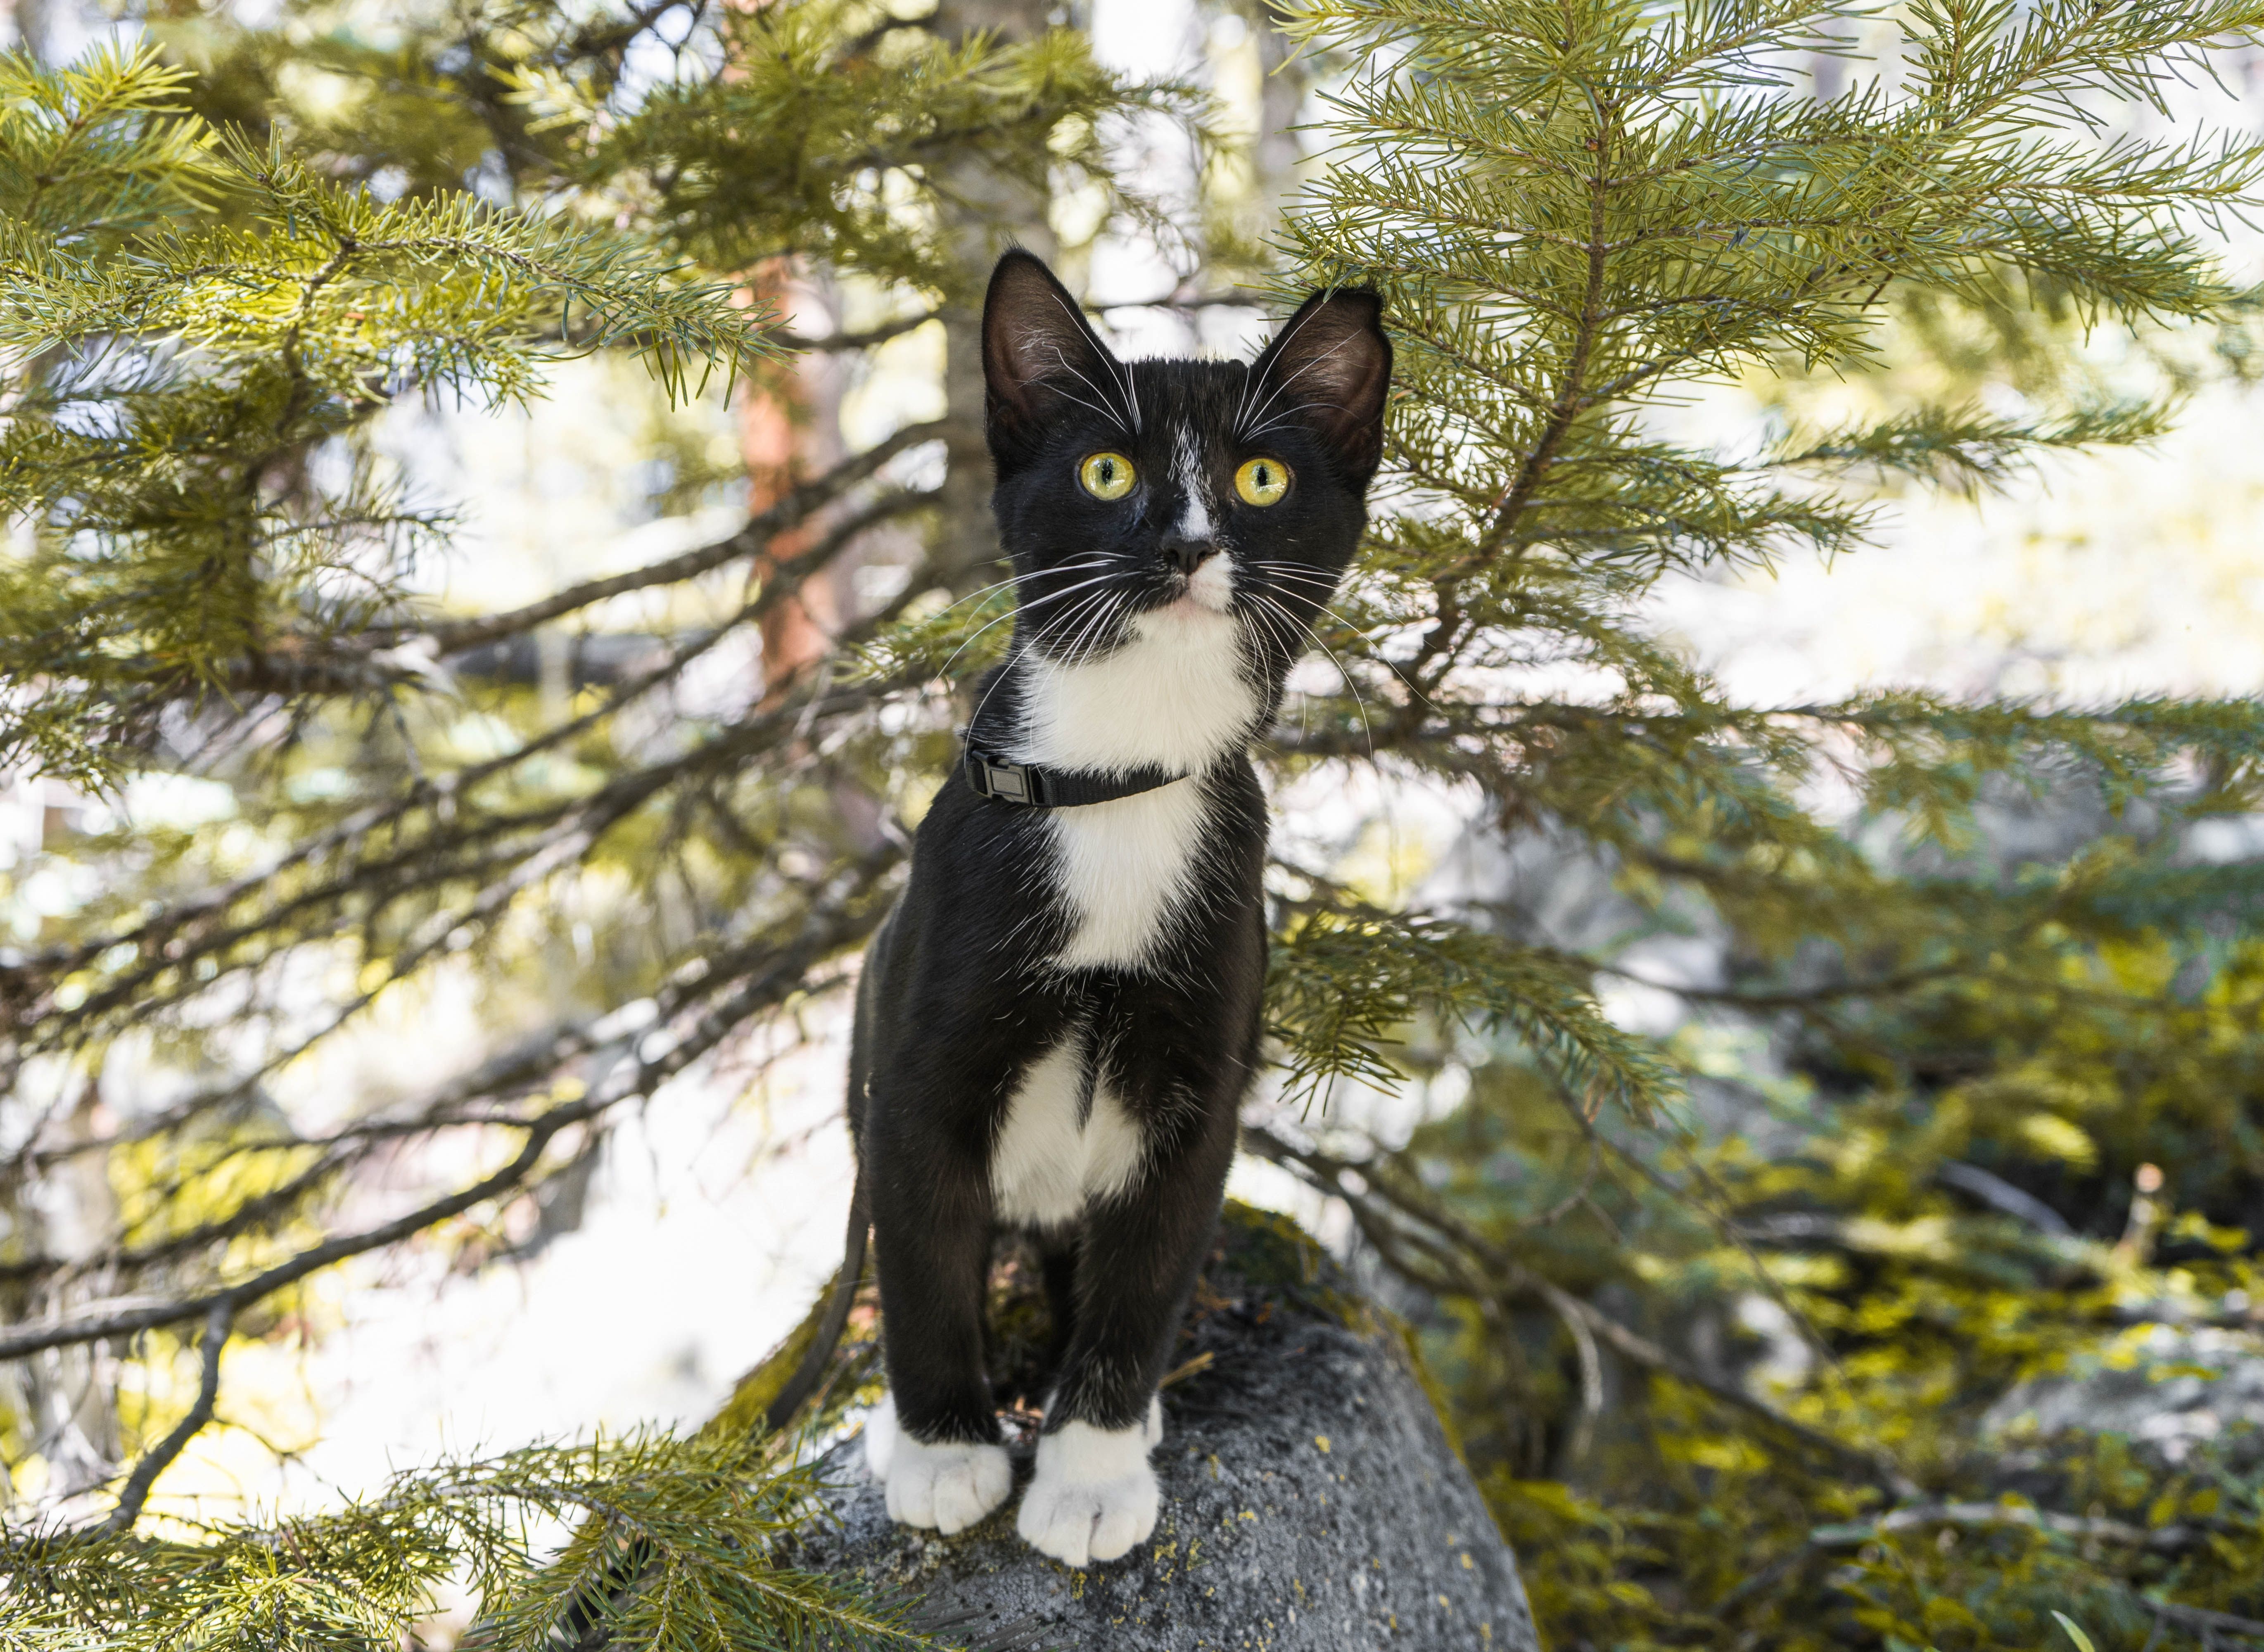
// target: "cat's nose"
[[1186, 554]]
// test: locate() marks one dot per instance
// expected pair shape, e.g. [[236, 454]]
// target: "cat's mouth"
[[1206, 592], [1186, 615]]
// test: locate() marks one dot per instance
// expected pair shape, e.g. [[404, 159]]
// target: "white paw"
[[945, 1488], [881, 1437], [1094, 1496]]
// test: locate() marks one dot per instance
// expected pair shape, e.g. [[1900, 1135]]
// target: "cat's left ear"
[[1040, 357], [1330, 369]]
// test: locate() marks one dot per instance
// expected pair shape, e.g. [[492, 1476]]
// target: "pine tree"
[[1578, 213], [215, 289]]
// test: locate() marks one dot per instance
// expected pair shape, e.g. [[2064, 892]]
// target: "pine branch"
[[797, 505], [833, 925], [220, 1320], [1342, 978], [452, 843]]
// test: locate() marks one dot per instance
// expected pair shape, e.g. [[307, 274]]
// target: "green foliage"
[[94, 151], [1581, 215], [848, 136], [1341, 983], [226, 269], [536, 1534], [163, 369], [1682, 1524], [1693, 1523]]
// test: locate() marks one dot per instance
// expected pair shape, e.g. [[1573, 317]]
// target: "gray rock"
[[1310, 1497], [2167, 1391]]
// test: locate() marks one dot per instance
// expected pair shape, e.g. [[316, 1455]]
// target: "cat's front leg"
[[1094, 1495], [934, 1442]]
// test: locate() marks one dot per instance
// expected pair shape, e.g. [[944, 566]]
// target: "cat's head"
[[1201, 498]]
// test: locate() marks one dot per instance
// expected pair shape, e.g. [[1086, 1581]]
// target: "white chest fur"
[[1174, 697], [1054, 1156]]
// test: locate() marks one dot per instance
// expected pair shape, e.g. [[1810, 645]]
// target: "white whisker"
[[1367, 729], [1297, 572], [1021, 648], [1133, 429], [1115, 419], [1016, 579], [1250, 383], [1250, 379], [1095, 628], [1016, 612], [1282, 419]]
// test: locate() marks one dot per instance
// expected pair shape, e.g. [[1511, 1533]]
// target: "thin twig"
[[1853, 1533], [220, 1319], [2202, 1619], [1591, 1381], [454, 637], [831, 344], [425, 856], [65, 1333], [822, 932]]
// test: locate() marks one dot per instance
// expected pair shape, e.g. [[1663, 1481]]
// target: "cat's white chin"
[[1195, 612]]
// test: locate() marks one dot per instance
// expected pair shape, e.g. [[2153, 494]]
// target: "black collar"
[[1034, 786]]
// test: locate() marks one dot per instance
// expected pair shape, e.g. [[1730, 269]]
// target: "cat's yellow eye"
[[1262, 481], [1107, 475]]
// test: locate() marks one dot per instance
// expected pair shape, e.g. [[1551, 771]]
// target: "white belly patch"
[[1047, 1165]]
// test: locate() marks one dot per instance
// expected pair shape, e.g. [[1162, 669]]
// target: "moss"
[[1268, 1248], [752, 1393], [1272, 1255], [851, 1377], [1411, 1344]]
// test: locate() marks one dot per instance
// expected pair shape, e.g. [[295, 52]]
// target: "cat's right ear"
[[1330, 369], [1039, 356]]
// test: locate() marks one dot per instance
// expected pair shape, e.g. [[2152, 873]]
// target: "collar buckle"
[[1008, 782]]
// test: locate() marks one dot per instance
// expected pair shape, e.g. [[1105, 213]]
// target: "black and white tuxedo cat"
[[1058, 1022]]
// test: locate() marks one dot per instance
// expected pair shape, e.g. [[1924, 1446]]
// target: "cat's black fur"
[[976, 978]]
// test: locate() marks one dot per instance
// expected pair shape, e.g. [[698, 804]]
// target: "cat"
[[1058, 1024]]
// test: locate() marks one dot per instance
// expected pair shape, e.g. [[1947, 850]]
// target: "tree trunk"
[[997, 210]]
